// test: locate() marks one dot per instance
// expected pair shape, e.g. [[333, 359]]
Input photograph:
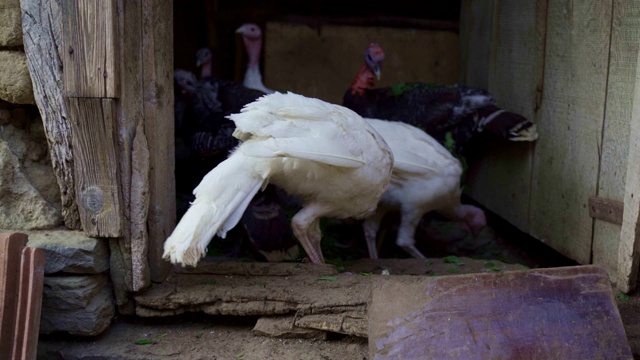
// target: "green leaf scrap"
[[452, 259]]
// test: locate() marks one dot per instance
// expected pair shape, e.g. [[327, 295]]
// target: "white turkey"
[[425, 178], [325, 154], [252, 39]]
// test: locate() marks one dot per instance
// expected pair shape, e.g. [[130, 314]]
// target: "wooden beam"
[[614, 145], [629, 248], [606, 210], [89, 48], [11, 244], [21, 283], [31, 275], [96, 165], [157, 54], [41, 24], [570, 121]]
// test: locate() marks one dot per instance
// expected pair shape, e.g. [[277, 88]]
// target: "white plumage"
[[425, 177], [325, 154]]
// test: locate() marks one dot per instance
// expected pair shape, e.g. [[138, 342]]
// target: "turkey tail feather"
[[221, 198], [509, 125]]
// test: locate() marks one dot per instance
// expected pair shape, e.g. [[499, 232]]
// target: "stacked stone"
[[78, 295]]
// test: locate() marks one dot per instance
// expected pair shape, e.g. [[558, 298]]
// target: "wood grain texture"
[[96, 166], [332, 54], [139, 210], [500, 174], [11, 245], [157, 54], [476, 27], [89, 48], [41, 24], [629, 247], [614, 146], [553, 313], [30, 287], [126, 276], [565, 169], [606, 210]]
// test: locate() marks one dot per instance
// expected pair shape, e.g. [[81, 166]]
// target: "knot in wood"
[[92, 199]]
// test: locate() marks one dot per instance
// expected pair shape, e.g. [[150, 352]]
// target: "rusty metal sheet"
[[555, 313]]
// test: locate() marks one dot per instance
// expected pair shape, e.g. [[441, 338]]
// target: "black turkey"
[[452, 114]]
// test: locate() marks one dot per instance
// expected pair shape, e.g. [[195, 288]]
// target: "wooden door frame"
[[103, 82]]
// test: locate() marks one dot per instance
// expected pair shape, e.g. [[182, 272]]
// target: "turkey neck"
[[365, 79], [205, 70], [253, 47]]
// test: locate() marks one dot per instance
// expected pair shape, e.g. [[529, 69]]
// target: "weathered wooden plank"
[[565, 169], [129, 265], [629, 247], [96, 167], [11, 245], [89, 48], [30, 286], [157, 54], [614, 146], [554, 313], [476, 27], [606, 210], [500, 175], [335, 52], [41, 24], [141, 272]]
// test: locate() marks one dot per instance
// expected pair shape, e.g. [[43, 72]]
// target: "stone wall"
[[28, 187], [78, 295]]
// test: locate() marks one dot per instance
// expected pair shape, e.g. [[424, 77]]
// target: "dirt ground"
[[196, 335]]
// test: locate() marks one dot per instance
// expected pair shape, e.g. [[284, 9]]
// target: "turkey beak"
[[198, 63], [240, 30], [377, 73]]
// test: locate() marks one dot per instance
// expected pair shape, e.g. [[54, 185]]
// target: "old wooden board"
[[321, 62], [628, 254], [157, 57], [315, 296], [515, 79], [476, 26], [11, 245], [89, 48], [129, 263], [41, 21], [558, 313], [565, 168], [96, 167], [614, 145], [607, 210], [29, 301]]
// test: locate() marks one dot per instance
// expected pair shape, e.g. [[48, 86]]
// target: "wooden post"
[[157, 53], [91, 79], [42, 26], [94, 150], [628, 250], [21, 286], [89, 48]]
